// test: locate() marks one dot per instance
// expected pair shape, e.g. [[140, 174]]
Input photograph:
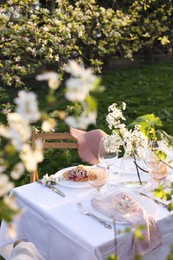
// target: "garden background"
[[144, 88], [128, 43]]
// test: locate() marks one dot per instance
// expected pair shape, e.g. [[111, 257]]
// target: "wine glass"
[[97, 177], [157, 169], [106, 155]]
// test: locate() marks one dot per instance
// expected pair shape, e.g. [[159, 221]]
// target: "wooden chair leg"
[[34, 176]]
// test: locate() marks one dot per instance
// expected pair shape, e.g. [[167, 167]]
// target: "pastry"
[[79, 174]]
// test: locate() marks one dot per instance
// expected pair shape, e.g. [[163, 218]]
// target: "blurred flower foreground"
[[18, 155]]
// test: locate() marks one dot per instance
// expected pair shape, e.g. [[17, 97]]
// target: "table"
[[59, 231]]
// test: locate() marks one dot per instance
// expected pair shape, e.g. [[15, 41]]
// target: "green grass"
[[146, 89]]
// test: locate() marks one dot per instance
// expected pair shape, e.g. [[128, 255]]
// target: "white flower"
[[135, 143], [45, 179], [19, 124], [31, 157], [79, 71], [18, 131], [17, 171], [52, 179], [115, 115], [46, 126], [126, 202], [76, 90], [52, 78], [112, 142], [5, 185], [81, 83], [17, 59], [74, 68], [16, 139], [38, 151], [83, 121], [27, 106]]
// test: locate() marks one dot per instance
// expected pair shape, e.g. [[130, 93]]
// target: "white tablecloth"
[[59, 231]]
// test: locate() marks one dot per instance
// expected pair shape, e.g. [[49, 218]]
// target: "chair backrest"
[[52, 141]]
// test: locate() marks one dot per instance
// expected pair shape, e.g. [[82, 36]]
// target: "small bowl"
[[123, 202]]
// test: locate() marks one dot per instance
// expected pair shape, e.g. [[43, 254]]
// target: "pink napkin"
[[138, 217], [88, 144]]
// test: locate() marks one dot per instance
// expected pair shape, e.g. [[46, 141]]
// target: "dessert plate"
[[148, 204], [72, 184]]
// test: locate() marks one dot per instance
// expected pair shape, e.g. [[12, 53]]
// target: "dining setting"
[[90, 210], [80, 177]]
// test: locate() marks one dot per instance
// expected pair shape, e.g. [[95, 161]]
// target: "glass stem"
[[137, 171], [108, 169]]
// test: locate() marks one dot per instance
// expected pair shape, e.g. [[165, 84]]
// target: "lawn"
[[146, 89]]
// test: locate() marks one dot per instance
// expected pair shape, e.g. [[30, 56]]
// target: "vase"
[[130, 177]]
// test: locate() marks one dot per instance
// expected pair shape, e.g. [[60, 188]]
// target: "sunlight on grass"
[[147, 89]]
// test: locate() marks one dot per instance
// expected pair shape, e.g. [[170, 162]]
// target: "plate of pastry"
[[74, 177]]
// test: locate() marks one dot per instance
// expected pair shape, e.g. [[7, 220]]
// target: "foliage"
[[32, 36], [165, 195], [112, 257], [147, 125], [170, 257]]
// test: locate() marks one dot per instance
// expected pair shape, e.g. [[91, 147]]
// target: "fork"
[[84, 211]]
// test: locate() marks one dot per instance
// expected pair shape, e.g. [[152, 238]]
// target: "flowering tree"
[[32, 36], [18, 156]]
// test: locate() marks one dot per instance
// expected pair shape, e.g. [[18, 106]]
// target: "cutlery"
[[154, 199], [84, 211], [59, 192]]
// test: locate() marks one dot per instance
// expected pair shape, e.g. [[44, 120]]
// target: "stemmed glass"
[[157, 169], [106, 156], [97, 177]]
